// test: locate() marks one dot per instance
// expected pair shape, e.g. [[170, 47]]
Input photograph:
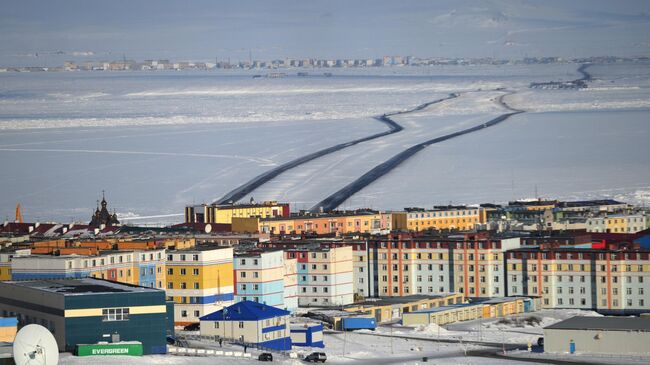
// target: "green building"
[[87, 311]]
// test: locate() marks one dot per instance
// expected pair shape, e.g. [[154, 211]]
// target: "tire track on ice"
[[393, 127], [336, 199]]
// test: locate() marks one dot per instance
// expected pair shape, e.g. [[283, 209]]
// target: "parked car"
[[265, 356], [171, 340], [540, 341], [316, 357], [192, 327]]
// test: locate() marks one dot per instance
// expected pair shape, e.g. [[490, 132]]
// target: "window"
[[197, 314], [195, 272], [115, 314], [183, 285], [183, 313], [183, 272], [241, 324], [242, 274], [196, 285]]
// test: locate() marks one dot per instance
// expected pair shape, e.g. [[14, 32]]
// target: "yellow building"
[[224, 213], [620, 223], [440, 218], [199, 281], [387, 309]]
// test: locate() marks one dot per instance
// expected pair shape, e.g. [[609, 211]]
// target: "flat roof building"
[[604, 335], [88, 310]]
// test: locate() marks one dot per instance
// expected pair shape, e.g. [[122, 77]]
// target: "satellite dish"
[[33, 345]]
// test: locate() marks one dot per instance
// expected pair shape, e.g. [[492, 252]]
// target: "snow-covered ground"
[[188, 138]]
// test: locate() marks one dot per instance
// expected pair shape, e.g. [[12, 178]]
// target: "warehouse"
[[444, 315], [607, 335], [87, 311], [251, 323]]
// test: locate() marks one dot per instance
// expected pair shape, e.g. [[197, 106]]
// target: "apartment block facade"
[[342, 223], [604, 280], [260, 277], [324, 275], [441, 218], [402, 265], [144, 268], [199, 281]]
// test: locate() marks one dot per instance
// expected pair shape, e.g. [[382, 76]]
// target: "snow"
[[158, 141]]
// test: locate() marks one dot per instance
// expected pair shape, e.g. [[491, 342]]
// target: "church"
[[102, 216]]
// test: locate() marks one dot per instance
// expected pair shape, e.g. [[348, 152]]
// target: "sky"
[[48, 32]]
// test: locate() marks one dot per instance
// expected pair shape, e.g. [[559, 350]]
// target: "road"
[[393, 127], [337, 198]]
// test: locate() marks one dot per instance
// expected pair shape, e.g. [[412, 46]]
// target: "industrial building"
[[250, 322], [88, 310], [390, 308], [224, 213], [599, 335]]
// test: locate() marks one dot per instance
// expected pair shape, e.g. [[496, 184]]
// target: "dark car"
[[192, 327], [540, 341], [171, 340], [265, 356], [316, 357]]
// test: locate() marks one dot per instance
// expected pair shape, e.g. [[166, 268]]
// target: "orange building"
[[337, 222]]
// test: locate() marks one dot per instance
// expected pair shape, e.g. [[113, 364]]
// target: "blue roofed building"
[[249, 322]]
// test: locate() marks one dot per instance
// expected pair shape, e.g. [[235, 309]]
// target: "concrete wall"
[[590, 341]]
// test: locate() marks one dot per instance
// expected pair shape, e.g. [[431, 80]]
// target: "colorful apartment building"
[[260, 277], [605, 280], [620, 223], [319, 223], [458, 218], [324, 275], [290, 283], [224, 213], [144, 268], [199, 281], [405, 264]]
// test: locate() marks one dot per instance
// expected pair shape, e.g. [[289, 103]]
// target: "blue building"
[[307, 335], [250, 322]]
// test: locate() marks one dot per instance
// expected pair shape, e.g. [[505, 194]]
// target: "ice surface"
[[158, 141]]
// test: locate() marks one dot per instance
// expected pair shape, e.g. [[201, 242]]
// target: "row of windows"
[[303, 255], [183, 285], [170, 271], [583, 301], [581, 278], [115, 314], [314, 289], [443, 214], [183, 257]]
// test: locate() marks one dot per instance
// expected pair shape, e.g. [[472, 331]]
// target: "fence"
[[188, 351], [182, 342]]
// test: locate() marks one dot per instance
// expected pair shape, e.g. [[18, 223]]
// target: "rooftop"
[[245, 311], [200, 248], [398, 300], [603, 324], [80, 286]]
